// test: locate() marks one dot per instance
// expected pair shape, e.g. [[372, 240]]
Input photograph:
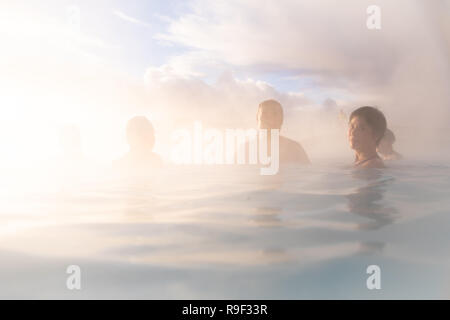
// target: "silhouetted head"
[[385, 145], [140, 133], [367, 126], [270, 115]]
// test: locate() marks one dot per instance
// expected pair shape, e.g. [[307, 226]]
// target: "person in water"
[[367, 126], [141, 139], [270, 116], [386, 149]]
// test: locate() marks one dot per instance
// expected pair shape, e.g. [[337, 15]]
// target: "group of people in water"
[[368, 136]]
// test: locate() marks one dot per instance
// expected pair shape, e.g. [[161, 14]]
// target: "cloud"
[[228, 100], [131, 19], [231, 102], [402, 68], [313, 37]]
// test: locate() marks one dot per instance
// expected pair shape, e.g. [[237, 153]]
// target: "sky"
[[95, 64]]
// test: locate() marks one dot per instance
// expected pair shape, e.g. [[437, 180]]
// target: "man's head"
[[385, 146], [140, 133], [270, 115]]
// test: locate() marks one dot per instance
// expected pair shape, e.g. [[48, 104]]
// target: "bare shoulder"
[[394, 156], [292, 151]]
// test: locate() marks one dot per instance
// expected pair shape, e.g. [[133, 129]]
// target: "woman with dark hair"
[[386, 148], [367, 126]]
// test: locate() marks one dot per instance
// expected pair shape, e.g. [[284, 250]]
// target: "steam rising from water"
[[63, 115], [403, 69]]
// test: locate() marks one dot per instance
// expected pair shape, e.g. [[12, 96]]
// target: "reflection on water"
[[209, 233], [267, 216], [368, 201]]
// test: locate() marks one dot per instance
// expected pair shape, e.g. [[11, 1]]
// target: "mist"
[[403, 69]]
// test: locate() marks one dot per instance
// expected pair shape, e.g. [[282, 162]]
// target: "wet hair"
[[389, 136], [374, 118], [274, 107]]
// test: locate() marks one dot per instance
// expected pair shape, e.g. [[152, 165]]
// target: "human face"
[[360, 135], [140, 138], [268, 118]]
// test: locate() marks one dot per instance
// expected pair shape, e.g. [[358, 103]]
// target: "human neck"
[[365, 155], [269, 137]]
